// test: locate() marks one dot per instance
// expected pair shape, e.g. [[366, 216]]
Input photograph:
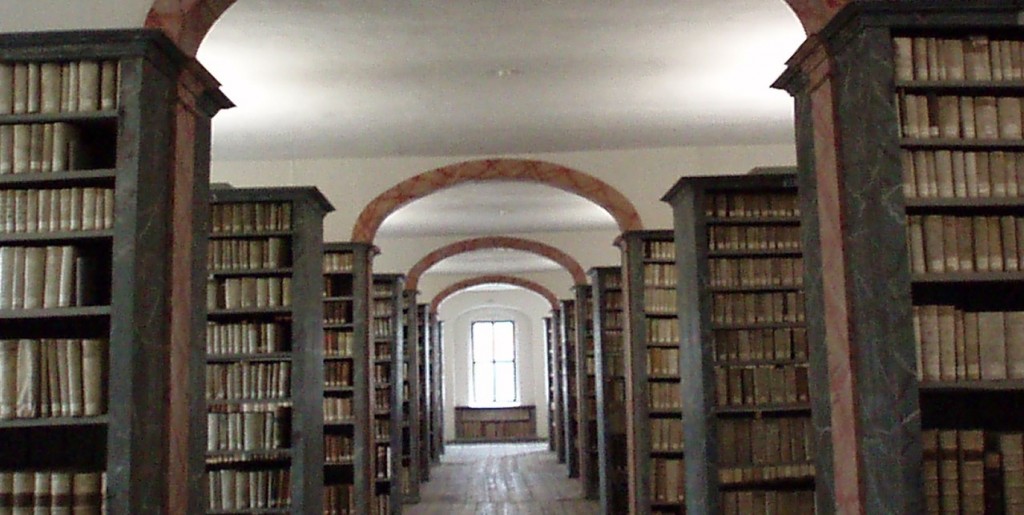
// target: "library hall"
[[564, 257]]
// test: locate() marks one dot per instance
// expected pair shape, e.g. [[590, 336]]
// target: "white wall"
[[527, 310]]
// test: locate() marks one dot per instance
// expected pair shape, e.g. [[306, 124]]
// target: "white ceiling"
[[493, 208], [373, 78], [495, 261]]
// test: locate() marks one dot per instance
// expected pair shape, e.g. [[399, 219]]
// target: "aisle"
[[506, 479]]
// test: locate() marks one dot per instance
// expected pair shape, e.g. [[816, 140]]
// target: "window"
[[494, 362]]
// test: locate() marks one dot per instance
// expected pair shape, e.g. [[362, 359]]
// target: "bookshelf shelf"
[[107, 116], [43, 422], [294, 326], [63, 179], [1010, 87], [965, 144], [753, 220], [245, 235], [70, 237], [741, 424]]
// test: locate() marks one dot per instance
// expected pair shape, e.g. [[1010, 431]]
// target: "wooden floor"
[[507, 479]]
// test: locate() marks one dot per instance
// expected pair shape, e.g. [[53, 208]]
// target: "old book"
[[949, 472], [94, 359], [18, 281], [972, 470], [6, 149], [20, 96], [74, 368], [6, 88], [996, 60], [33, 87], [968, 118], [86, 493], [971, 174], [947, 342], [965, 244], [960, 344], [953, 59], [997, 173], [1008, 233], [904, 58], [60, 493], [973, 346], [41, 495], [28, 378], [992, 340], [8, 378], [6, 487], [22, 150], [1011, 446], [933, 245], [944, 174], [23, 485], [1009, 117], [981, 240], [1015, 344], [986, 115], [63, 387], [995, 244], [88, 86], [50, 83], [51, 279], [950, 241], [984, 174], [7, 274], [54, 365], [43, 390], [35, 277], [109, 91], [929, 343]]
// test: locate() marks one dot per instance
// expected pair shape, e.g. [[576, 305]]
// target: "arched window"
[[494, 362]]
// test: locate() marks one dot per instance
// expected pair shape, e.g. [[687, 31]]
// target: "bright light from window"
[[494, 362]]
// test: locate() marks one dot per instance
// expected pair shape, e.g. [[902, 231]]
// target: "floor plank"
[[501, 479]]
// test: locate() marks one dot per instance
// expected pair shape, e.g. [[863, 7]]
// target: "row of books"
[[338, 409], [753, 237], [339, 500], [46, 148], [338, 373], [668, 481], [337, 287], [53, 492], [382, 397], [52, 378], [246, 338], [972, 58], [743, 502], [381, 350], [336, 262], [788, 343], [662, 361], [248, 380], [231, 489], [666, 434], [49, 277], [53, 87], [613, 322], [382, 308], [761, 385], [248, 217], [659, 250], [613, 300], [338, 312], [948, 173], [664, 396], [958, 345], [953, 117], [755, 308], [339, 343], [660, 274], [496, 429], [660, 301], [973, 471], [383, 328], [338, 448], [248, 292], [382, 430], [248, 254], [253, 428], [382, 502], [751, 205], [748, 444], [381, 374], [662, 330], [755, 272], [382, 291], [940, 244], [32, 211], [383, 462]]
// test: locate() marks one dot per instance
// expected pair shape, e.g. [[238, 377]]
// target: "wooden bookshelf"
[[654, 400], [569, 386], [264, 335], [944, 142], [425, 393], [742, 319], [348, 479], [411, 401], [586, 393], [610, 387], [81, 309], [387, 343]]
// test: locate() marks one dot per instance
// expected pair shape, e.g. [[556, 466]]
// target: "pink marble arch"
[[187, 21], [493, 279], [566, 179], [494, 242]]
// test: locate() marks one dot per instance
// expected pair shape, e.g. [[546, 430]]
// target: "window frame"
[[474, 362]]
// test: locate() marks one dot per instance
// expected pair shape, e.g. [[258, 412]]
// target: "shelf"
[[753, 220], [343, 298], [754, 253], [921, 203], [663, 345], [755, 289], [72, 178], [757, 362], [242, 235], [283, 401], [251, 456], [663, 377], [761, 409], [345, 325], [974, 385], [42, 422], [657, 261], [967, 144], [967, 277], [241, 312], [715, 326], [56, 236], [987, 87], [667, 453], [109, 115], [252, 272], [56, 314], [269, 356], [665, 411], [252, 511], [339, 389], [337, 357]]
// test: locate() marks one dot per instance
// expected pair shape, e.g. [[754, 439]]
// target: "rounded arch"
[[493, 279], [557, 176], [187, 22], [494, 242]]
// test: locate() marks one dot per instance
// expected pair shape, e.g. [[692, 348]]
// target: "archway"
[[495, 242], [493, 279], [187, 22]]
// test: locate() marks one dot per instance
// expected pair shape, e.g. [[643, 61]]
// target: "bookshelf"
[[744, 337], [411, 414], [586, 404], [425, 418], [347, 428], [610, 388], [77, 284], [557, 375], [942, 132], [567, 346], [387, 343], [653, 389], [264, 339]]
